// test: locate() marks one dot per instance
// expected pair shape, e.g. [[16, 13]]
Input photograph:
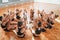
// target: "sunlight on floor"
[[33, 38], [57, 20]]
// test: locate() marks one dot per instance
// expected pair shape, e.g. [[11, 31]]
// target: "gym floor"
[[50, 34]]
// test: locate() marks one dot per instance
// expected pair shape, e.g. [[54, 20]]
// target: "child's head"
[[20, 23], [56, 16], [39, 24]]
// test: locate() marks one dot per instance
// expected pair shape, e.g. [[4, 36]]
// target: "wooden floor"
[[50, 34], [18, 6]]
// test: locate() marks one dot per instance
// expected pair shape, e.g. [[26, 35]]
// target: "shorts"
[[37, 31], [48, 26], [6, 30], [21, 35], [3, 26], [43, 30]]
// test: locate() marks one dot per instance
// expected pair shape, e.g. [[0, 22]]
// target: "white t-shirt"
[[35, 15]]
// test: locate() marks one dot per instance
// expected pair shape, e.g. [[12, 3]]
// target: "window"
[[4, 1]]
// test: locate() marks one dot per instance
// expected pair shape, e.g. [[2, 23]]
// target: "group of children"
[[21, 20]]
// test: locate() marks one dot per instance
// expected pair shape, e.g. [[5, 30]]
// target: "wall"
[[48, 1], [11, 2]]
